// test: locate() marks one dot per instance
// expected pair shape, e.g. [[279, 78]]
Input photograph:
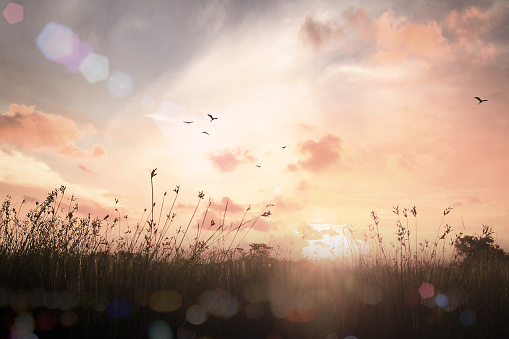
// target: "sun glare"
[[333, 245]]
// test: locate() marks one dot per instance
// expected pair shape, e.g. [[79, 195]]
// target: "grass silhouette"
[[69, 276]]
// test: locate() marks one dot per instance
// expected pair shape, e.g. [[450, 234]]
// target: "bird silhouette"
[[188, 122], [480, 100], [205, 133], [283, 147], [258, 166], [212, 118]]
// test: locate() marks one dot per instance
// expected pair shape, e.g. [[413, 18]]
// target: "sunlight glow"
[[332, 244]]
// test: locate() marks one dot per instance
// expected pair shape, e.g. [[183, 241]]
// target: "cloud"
[[87, 170], [399, 40], [20, 170], [317, 34], [30, 129], [228, 159], [232, 207], [311, 233], [468, 25], [263, 225], [288, 205], [319, 154], [362, 20]]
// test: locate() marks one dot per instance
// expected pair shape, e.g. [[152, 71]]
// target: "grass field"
[[76, 277]]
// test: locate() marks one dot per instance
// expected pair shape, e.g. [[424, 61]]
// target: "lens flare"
[[426, 290], [159, 329], [13, 13]]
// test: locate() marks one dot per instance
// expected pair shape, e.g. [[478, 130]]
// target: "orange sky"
[[374, 101]]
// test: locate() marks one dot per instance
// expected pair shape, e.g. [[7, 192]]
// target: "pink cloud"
[[30, 129], [75, 152], [317, 34], [264, 225], [232, 207], [319, 154], [228, 159], [468, 25], [36, 194], [292, 168], [303, 186], [87, 170], [287, 205], [398, 42], [362, 20]]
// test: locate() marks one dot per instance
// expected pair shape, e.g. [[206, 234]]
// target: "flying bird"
[[205, 133], [283, 147], [212, 118], [258, 166], [188, 122], [480, 100]]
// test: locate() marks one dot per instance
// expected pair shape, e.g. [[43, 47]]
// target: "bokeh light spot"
[[55, 41], [277, 190], [332, 335], [280, 301], [119, 309], [24, 324], [426, 290], [219, 303], [256, 293], [80, 51], [159, 329], [45, 321], [19, 301], [441, 300], [165, 301], [120, 84], [457, 297], [196, 314], [68, 318], [372, 295], [95, 67], [255, 311], [304, 307], [467, 318], [13, 13]]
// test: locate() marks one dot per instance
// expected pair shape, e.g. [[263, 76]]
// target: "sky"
[[326, 110]]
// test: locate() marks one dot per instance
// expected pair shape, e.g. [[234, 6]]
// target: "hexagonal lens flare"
[[13, 13], [55, 41], [80, 51], [95, 67]]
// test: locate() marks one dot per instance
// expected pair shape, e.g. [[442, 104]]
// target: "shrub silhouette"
[[481, 247]]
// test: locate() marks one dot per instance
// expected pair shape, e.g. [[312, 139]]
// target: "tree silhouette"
[[481, 247], [260, 250]]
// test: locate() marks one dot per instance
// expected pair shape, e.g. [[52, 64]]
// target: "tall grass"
[[68, 276]]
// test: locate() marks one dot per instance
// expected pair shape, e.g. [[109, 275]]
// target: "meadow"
[[64, 276]]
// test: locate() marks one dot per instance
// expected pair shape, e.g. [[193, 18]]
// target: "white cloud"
[[18, 169]]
